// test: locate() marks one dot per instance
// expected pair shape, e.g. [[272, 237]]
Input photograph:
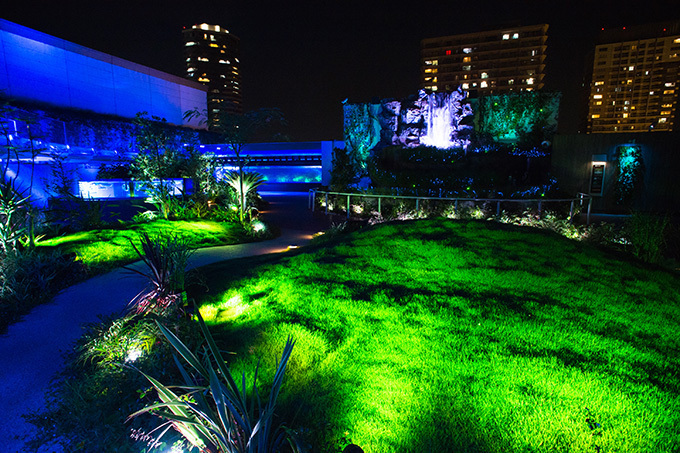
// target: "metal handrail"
[[580, 198]]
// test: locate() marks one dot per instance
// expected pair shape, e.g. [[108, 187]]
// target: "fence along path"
[[581, 198]]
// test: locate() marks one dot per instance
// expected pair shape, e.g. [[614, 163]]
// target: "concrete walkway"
[[31, 350]]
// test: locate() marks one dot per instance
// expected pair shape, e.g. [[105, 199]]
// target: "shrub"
[[88, 404], [646, 233]]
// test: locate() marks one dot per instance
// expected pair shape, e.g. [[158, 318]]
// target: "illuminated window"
[[666, 106], [203, 79], [448, 52], [428, 70], [676, 40], [467, 59], [212, 38], [530, 81], [484, 84], [191, 69], [434, 79], [662, 120], [631, 68], [625, 115], [467, 68], [202, 59], [666, 112], [597, 96], [506, 36], [223, 76], [669, 84], [515, 35], [224, 61], [427, 62], [466, 86], [651, 93], [467, 49], [599, 82], [427, 79], [595, 116], [668, 91], [598, 103], [190, 43], [212, 44], [188, 60], [485, 75]]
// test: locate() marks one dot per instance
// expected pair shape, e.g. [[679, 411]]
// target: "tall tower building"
[[490, 62], [636, 73], [211, 54]]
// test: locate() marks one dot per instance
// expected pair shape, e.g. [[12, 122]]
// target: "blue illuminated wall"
[[39, 67]]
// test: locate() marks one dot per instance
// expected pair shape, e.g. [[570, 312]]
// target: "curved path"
[[31, 350]]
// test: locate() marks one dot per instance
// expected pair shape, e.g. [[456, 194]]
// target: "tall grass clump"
[[647, 235]]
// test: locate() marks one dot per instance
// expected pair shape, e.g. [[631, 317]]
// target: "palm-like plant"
[[166, 260], [213, 412], [244, 183]]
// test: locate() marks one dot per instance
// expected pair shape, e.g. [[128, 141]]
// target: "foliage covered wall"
[[526, 118]]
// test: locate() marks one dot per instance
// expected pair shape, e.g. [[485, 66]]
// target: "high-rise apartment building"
[[489, 62], [636, 73], [211, 54]]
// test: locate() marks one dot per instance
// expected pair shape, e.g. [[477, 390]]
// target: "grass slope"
[[109, 248], [461, 336]]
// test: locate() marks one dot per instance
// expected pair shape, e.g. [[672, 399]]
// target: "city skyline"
[[306, 60]]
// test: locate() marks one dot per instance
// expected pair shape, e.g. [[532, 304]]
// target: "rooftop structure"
[[489, 62], [40, 68]]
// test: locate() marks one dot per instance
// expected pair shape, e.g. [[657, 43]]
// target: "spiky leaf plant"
[[212, 411], [244, 183], [166, 260]]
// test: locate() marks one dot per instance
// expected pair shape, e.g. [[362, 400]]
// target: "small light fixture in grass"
[[258, 226]]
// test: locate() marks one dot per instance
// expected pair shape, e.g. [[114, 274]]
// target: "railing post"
[[571, 212], [498, 208], [348, 207], [379, 200], [417, 204], [590, 203], [539, 209], [326, 203], [455, 207]]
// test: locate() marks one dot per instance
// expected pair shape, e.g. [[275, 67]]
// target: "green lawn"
[[460, 336], [110, 248]]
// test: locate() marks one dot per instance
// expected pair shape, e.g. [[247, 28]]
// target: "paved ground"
[[31, 350]]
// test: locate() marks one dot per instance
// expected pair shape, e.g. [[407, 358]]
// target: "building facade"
[[212, 58], [490, 62], [635, 77], [39, 68]]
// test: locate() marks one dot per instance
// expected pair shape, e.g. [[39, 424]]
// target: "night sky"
[[307, 57]]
